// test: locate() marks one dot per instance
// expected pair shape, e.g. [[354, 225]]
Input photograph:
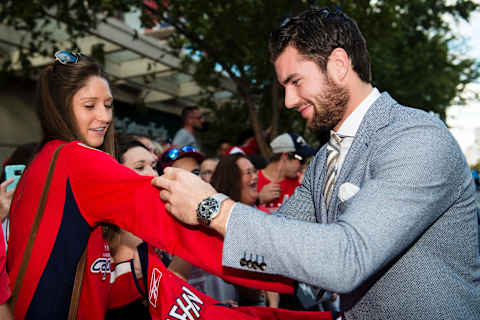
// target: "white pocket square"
[[347, 190]]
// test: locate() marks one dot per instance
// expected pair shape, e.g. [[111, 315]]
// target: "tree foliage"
[[409, 49], [409, 43], [229, 37], [41, 18]]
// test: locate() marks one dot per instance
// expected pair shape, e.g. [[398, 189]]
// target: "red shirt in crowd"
[[287, 185]]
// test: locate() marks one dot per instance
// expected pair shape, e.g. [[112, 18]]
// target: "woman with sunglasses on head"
[[186, 157], [58, 261]]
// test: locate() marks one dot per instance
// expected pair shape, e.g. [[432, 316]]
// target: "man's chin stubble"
[[332, 109], [326, 121]]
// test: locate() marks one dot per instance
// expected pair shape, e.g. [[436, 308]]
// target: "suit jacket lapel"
[[376, 118]]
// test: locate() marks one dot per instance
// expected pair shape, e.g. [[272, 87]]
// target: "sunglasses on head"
[[174, 153], [66, 57]]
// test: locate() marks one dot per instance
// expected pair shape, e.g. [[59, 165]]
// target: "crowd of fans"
[[230, 170]]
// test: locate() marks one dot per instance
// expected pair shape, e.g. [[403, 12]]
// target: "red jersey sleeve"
[[171, 297], [107, 191], [4, 283]]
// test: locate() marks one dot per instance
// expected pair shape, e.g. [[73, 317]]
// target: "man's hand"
[[5, 198], [269, 192], [182, 192]]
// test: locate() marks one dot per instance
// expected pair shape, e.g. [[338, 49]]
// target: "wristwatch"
[[209, 208]]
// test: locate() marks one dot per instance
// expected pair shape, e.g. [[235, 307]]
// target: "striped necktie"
[[333, 152]]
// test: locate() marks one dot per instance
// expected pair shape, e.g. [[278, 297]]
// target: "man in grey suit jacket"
[[399, 236]]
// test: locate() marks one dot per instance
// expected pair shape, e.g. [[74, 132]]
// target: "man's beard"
[[329, 107]]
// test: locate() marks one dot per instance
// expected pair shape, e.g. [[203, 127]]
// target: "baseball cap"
[[235, 149], [172, 154], [290, 142]]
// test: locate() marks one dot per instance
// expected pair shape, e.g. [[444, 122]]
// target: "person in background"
[[279, 179], [5, 201], [223, 146], [22, 155], [189, 159], [386, 214], [146, 140], [128, 304], [207, 168], [186, 157], [212, 285], [236, 177], [154, 147], [165, 144], [192, 119]]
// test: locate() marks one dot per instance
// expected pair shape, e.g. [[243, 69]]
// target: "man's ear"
[[284, 156], [339, 65]]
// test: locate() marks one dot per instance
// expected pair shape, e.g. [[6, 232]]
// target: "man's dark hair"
[[187, 111], [315, 33]]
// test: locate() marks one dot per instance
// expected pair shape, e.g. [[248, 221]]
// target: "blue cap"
[[290, 142]]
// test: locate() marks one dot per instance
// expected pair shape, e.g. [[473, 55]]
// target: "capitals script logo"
[[154, 285], [101, 265]]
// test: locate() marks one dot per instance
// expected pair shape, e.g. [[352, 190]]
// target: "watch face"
[[207, 208]]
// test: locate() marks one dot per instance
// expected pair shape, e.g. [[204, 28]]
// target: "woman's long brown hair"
[[56, 87], [227, 177]]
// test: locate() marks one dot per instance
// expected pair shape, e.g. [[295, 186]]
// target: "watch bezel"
[[209, 208], [206, 210]]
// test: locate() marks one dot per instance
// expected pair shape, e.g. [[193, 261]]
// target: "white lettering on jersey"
[[154, 285], [101, 265], [189, 304]]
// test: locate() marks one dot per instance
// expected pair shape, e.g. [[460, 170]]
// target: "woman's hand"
[[5, 198]]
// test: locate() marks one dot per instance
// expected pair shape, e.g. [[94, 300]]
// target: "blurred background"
[[164, 55]]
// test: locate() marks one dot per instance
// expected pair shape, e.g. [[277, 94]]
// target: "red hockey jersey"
[[170, 297], [88, 186]]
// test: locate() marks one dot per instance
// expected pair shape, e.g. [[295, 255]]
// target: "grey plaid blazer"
[[405, 246]]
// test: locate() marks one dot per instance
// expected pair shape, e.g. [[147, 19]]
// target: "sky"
[[463, 120]]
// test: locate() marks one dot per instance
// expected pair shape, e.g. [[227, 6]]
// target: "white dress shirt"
[[349, 127]]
